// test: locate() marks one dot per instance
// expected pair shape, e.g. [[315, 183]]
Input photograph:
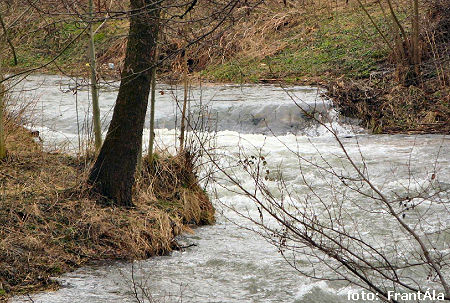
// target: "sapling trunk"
[[396, 21], [2, 130], [152, 114], [8, 39], [378, 29], [415, 38], [185, 98], [94, 84]]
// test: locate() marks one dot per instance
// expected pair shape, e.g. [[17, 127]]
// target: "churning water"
[[230, 263]]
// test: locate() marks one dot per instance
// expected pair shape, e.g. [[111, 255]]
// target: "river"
[[229, 263]]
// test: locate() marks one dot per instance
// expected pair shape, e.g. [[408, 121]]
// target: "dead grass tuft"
[[175, 186], [386, 107]]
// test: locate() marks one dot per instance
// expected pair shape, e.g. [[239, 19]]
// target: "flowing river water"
[[229, 263]]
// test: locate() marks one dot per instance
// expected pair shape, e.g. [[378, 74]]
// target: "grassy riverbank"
[[335, 45], [49, 224], [296, 43]]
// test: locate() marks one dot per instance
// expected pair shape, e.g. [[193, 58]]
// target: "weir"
[[249, 109]]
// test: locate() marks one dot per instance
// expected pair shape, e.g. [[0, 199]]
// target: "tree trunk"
[[185, 99], [2, 132], [415, 39], [152, 115], [114, 170], [11, 45], [94, 84]]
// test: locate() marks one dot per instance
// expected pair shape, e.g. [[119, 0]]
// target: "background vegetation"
[[355, 49]]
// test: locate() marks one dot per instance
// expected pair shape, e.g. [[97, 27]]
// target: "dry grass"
[[173, 182], [384, 106], [396, 99], [50, 225]]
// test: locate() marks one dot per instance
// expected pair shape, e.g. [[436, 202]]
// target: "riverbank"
[[49, 224], [339, 46]]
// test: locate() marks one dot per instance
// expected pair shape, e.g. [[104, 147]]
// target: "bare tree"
[[152, 115], [94, 84], [404, 47], [185, 101], [2, 110], [113, 172]]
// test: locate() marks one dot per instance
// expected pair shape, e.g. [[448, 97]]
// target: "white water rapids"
[[228, 263]]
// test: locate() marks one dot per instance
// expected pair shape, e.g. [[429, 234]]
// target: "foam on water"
[[246, 109]]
